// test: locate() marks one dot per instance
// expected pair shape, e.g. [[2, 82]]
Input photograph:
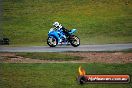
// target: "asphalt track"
[[105, 47]]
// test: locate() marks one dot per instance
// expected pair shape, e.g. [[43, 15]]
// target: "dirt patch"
[[117, 57], [89, 57]]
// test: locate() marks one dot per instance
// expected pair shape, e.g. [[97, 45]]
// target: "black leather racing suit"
[[66, 31]]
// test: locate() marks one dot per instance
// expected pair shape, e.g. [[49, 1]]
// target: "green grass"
[[50, 56], [26, 22], [57, 75]]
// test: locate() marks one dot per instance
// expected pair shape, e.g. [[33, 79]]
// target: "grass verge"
[[27, 22], [57, 75], [50, 56]]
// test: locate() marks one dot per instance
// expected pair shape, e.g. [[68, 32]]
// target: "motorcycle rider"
[[58, 26]]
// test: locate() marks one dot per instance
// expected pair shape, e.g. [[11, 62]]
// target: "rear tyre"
[[75, 41], [52, 41]]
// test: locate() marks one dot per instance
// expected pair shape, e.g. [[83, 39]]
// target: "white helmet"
[[56, 24]]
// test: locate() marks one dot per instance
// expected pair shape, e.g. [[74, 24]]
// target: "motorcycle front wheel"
[[74, 40], [52, 41]]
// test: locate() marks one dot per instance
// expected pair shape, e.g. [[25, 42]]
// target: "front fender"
[[54, 34]]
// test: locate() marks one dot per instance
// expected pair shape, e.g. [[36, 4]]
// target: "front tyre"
[[52, 41], [74, 40]]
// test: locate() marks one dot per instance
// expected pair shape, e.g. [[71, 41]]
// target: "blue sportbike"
[[58, 37]]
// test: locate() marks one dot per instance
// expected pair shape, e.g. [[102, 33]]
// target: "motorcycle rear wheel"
[[75, 41]]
